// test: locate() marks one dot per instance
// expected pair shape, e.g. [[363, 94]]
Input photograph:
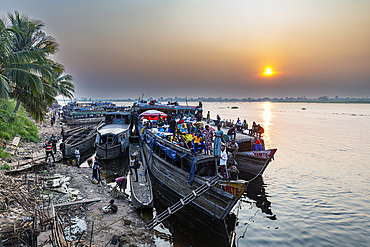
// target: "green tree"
[[26, 72]]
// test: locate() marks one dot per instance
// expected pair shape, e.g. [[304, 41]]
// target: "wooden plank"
[[77, 202], [15, 141]]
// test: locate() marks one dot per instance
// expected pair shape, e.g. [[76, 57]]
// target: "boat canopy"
[[113, 129], [153, 114]]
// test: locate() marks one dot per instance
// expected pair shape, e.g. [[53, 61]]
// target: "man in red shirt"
[[48, 150], [257, 145]]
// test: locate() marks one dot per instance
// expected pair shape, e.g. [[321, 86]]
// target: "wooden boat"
[[141, 191], [84, 118], [168, 108], [182, 171], [83, 140], [112, 138], [248, 160], [254, 162]]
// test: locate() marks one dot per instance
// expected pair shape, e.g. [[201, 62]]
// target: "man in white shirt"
[[77, 154], [223, 161]]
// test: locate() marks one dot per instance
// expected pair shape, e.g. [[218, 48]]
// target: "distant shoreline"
[[235, 101]]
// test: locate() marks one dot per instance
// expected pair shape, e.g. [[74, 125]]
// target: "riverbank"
[[124, 228]]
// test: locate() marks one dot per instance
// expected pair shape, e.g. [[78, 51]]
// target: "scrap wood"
[[77, 202]]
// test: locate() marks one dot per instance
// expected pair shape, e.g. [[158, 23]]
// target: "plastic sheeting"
[[170, 153]]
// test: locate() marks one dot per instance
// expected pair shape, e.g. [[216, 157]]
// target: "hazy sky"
[[121, 49]]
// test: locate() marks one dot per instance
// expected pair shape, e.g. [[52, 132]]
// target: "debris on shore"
[[58, 205]]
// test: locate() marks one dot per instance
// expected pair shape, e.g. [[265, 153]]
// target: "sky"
[[208, 48]]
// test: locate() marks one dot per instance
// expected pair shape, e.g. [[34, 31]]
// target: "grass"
[[3, 154], [12, 125], [5, 167]]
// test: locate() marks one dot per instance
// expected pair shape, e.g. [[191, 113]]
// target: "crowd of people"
[[190, 132]]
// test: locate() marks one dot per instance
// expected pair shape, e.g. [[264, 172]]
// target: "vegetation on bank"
[[27, 73], [12, 125]]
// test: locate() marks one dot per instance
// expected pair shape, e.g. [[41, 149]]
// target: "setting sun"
[[268, 72]]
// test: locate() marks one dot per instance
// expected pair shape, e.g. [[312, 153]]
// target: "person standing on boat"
[[208, 117], [208, 136], [218, 119], [135, 166], [223, 161], [217, 142], [96, 170], [173, 125]]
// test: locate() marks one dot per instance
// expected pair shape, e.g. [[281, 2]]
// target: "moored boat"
[[83, 139], [182, 171], [112, 138], [141, 190], [254, 162]]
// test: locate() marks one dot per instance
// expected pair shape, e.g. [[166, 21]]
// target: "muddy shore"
[[125, 228]]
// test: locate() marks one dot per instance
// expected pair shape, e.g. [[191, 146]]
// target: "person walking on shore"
[[77, 155], [96, 171], [48, 151], [53, 143], [208, 117]]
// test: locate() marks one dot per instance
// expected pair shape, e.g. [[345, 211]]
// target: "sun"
[[268, 72]]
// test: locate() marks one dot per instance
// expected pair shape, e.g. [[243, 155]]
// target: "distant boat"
[[234, 107], [303, 109], [113, 136]]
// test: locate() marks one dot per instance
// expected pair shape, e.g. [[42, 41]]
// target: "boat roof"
[[118, 113], [114, 129]]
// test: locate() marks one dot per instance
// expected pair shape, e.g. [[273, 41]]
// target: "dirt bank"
[[125, 228]]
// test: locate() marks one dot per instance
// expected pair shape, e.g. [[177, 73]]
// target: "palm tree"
[[26, 72], [5, 52], [63, 83], [28, 37]]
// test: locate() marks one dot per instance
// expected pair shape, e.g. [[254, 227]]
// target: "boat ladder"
[[182, 202]]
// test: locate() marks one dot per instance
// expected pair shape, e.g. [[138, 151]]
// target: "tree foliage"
[[27, 73]]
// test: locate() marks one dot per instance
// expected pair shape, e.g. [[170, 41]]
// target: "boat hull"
[[85, 145], [141, 191], [191, 220], [215, 202], [82, 121], [107, 152], [254, 162]]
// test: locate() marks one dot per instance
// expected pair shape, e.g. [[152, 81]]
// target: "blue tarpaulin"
[[170, 153], [192, 172]]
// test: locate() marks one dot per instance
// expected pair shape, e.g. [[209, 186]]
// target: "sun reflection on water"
[[267, 117]]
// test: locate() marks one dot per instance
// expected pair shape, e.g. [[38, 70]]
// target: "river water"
[[319, 183], [317, 190]]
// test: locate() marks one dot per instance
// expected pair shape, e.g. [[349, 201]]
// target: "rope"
[[150, 156], [259, 174]]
